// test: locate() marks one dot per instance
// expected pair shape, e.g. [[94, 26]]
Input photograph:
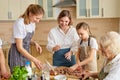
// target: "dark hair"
[[65, 13], [83, 25], [35, 9]]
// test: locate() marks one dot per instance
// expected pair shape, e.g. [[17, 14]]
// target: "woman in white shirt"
[[3, 70], [23, 30], [62, 41], [110, 47]]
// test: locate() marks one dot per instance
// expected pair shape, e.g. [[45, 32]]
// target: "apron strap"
[[88, 41]]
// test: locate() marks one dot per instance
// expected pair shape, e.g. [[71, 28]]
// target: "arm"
[[51, 46], [85, 75], [26, 54], [37, 46], [4, 72]]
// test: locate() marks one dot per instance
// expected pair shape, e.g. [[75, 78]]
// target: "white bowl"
[[60, 77]]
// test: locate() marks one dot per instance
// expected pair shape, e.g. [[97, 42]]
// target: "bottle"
[[29, 69]]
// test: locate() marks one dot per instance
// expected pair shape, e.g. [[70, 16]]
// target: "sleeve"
[[113, 74], [51, 42], [74, 47], [0, 43], [93, 43], [18, 30]]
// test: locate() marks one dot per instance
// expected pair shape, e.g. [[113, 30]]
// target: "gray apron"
[[15, 58], [60, 60]]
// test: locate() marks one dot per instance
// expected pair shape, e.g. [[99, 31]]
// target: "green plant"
[[19, 73]]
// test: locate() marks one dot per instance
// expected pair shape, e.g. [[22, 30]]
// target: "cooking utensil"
[[50, 66]]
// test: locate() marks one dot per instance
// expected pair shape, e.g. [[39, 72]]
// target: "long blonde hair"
[[35, 9]]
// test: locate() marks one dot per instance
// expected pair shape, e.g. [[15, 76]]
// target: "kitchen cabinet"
[[9, 10], [88, 8], [51, 13], [3, 9], [25, 4], [110, 8], [12, 9]]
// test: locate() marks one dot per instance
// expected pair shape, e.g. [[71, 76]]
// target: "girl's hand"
[[38, 64], [68, 55], [56, 48], [38, 47], [74, 67]]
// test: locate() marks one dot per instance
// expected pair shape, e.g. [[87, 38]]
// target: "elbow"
[[20, 49]]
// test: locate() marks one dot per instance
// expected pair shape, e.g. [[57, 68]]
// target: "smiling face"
[[35, 18], [64, 22], [83, 34]]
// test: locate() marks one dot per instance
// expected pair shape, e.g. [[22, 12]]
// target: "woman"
[[110, 47], [3, 70], [86, 55], [62, 41], [23, 30]]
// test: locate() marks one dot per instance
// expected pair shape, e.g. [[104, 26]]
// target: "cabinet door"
[[81, 8], [50, 12], [13, 9], [3, 9], [25, 4], [110, 8], [95, 8], [88, 8]]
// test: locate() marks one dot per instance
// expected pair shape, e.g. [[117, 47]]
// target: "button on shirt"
[[57, 37], [113, 69]]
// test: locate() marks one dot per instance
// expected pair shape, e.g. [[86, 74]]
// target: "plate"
[[60, 77]]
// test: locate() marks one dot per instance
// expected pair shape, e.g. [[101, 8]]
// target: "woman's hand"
[[68, 55], [85, 75], [38, 47], [38, 64], [56, 48]]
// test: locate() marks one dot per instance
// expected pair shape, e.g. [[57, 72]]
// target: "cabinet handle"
[[102, 12], [89, 12], [9, 15], [86, 13]]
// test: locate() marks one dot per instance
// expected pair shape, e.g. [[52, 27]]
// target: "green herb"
[[19, 73]]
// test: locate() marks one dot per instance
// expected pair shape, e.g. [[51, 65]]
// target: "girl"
[[62, 39], [86, 56], [23, 31]]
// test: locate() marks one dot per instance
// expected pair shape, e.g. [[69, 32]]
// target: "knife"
[[50, 66]]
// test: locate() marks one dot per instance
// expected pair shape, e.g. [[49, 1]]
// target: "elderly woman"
[[110, 47]]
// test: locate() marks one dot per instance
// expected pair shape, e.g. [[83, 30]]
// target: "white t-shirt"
[[113, 69], [57, 37], [0, 43], [20, 29], [93, 43]]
